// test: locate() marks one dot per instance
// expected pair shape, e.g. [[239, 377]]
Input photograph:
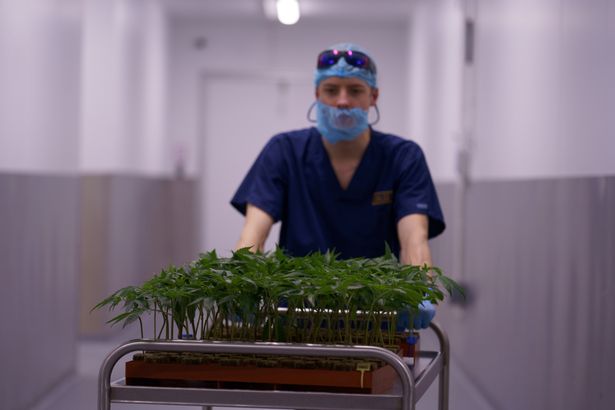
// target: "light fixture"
[[288, 11]]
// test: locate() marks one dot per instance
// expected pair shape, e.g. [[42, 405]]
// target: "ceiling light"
[[288, 11]]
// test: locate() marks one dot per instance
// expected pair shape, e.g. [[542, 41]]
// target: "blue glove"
[[421, 320], [426, 313]]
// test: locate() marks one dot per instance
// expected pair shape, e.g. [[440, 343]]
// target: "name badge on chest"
[[382, 198]]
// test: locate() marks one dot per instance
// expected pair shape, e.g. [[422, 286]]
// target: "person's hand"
[[426, 313], [420, 320]]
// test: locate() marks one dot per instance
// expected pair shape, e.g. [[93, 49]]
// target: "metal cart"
[[412, 384]]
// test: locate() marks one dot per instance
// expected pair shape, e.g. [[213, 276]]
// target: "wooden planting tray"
[[410, 385], [344, 375]]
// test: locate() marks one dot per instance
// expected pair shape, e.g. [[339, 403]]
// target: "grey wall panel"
[[540, 269], [132, 228], [39, 218], [66, 243], [442, 247]]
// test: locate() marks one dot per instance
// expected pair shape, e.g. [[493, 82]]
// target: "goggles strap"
[[310, 112], [377, 115]]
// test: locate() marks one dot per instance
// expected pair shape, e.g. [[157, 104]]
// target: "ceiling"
[[367, 10]]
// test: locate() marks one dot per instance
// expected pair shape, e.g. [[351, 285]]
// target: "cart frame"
[[414, 383]]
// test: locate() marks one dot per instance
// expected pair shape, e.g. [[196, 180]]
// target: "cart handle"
[[445, 349], [389, 357]]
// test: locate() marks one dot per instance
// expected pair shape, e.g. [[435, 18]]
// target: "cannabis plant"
[[274, 297]]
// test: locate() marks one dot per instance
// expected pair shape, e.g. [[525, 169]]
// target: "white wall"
[[84, 86], [39, 105], [39, 71], [124, 94], [539, 94], [82, 89], [545, 89], [531, 235], [435, 72]]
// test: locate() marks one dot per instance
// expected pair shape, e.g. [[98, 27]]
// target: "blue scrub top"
[[293, 181]]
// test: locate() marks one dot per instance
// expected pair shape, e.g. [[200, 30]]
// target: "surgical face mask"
[[340, 124]]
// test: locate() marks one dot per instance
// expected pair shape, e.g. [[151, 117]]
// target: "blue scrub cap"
[[343, 69]]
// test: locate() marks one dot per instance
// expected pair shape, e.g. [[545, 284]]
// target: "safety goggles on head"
[[329, 58]]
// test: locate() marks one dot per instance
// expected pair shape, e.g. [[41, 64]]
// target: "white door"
[[240, 114]]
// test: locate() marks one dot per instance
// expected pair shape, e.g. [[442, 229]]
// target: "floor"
[[79, 392]]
